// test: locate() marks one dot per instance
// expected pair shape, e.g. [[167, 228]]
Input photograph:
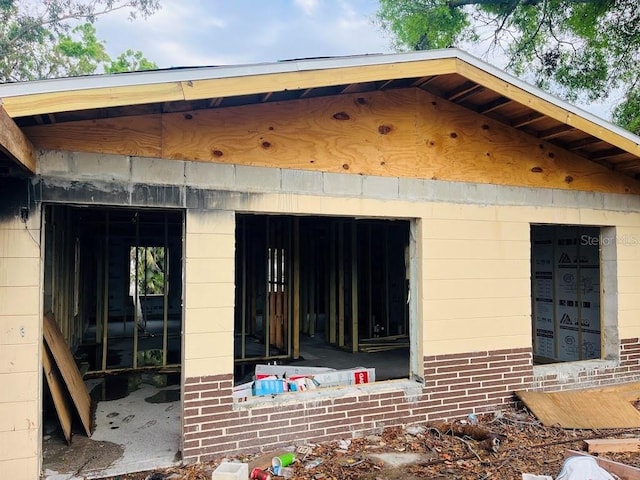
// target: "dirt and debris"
[[436, 451]]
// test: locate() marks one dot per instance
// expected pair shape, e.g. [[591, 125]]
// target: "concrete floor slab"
[[140, 431]]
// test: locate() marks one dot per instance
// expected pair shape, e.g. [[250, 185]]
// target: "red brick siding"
[[626, 370], [455, 385]]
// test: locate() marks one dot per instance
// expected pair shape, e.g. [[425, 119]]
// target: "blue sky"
[[232, 32], [227, 32]]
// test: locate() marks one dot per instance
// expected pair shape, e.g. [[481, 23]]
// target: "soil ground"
[[526, 447]]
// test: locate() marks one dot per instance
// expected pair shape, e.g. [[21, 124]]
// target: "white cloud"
[[307, 6]]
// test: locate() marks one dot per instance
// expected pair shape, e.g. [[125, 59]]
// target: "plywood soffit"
[[15, 144]]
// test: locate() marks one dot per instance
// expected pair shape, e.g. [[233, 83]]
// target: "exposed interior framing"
[[100, 264], [336, 281]]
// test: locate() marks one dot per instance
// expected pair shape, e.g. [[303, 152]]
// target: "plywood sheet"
[[58, 393], [600, 408], [69, 370]]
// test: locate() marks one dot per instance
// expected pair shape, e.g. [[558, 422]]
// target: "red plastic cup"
[[257, 474]]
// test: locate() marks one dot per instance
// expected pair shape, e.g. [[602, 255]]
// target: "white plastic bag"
[[582, 468]]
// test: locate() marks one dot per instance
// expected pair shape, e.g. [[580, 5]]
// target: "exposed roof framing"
[[451, 74], [14, 145]]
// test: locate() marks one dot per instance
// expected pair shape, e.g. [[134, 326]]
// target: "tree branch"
[[505, 3]]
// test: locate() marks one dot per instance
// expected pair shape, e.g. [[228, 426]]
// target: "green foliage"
[[580, 49], [151, 268], [423, 24], [627, 114], [129, 61], [57, 38]]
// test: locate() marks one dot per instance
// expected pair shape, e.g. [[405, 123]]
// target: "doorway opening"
[[113, 284], [323, 291]]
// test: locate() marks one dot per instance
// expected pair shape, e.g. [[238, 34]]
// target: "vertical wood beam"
[[354, 286], [296, 287], [332, 283], [341, 275], [312, 286], [165, 291], [105, 291]]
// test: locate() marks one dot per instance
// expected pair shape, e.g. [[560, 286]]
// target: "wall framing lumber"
[[15, 144]]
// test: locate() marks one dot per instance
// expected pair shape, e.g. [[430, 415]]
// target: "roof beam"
[[555, 132], [527, 119], [463, 91], [494, 105], [610, 153], [15, 144], [580, 144]]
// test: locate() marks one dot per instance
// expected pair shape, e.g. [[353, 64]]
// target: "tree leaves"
[[580, 49], [56, 38]]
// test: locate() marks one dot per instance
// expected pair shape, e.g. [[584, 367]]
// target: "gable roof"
[[451, 74]]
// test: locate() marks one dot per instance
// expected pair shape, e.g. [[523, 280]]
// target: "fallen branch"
[[470, 448], [489, 440]]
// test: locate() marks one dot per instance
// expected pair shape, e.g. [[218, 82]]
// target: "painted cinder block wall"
[[474, 310], [20, 332]]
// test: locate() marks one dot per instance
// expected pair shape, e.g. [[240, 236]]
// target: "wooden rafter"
[[15, 144]]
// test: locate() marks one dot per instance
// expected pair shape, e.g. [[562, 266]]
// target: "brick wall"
[[591, 374], [455, 386]]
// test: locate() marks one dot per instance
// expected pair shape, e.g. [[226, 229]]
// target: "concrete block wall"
[[209, 293], [20, 333], [474, 324]]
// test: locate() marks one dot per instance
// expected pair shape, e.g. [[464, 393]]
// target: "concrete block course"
[[258, 178], [100, 167], [157, 171], [342, 184], [380, 187], [210, 175], [53, 162], [302, 181], [413, 188], [481, 193]]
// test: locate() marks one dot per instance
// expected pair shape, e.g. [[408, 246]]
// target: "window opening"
[[566, 293]]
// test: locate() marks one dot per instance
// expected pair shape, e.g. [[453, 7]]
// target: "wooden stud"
[[137, 294], [341, 286], [332, 283], [267, 309], [105, 292], [354, 286], [296, 288], [369, 282], [165, 291], [312, 265]]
